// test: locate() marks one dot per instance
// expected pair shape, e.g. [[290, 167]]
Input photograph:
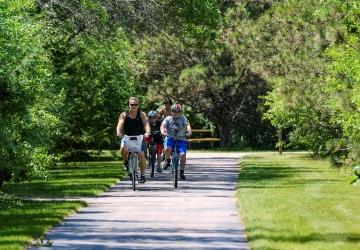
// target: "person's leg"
[[168, 144], [158, 156], [182, 161], [142, 164], [124, 153], [182, 152]]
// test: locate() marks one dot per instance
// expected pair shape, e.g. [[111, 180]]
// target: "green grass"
[[69, 180], [23, 220], [295, 202], [28, 220]]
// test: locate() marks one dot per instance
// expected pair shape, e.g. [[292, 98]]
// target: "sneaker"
[[142, 179], [182, 177], [159, 169]]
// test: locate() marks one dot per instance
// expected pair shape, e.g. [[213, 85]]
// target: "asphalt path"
[[200, 214]]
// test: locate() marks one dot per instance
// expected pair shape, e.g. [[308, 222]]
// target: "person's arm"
[[160, 114], [188, 128], [162, 128], [146, 123], [120, 125]]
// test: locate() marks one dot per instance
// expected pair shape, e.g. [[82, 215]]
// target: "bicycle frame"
[[133, 144], [175, 165], [175, 160]]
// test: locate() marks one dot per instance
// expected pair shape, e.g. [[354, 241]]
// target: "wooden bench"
[[207, 139], [203, 139]]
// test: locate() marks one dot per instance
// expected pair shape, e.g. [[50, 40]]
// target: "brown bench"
[[203, 139]]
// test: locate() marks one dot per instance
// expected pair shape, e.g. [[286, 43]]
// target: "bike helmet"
[[176, 108], [152, 113]]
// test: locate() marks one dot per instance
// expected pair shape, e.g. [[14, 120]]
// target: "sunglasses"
[[133, 104]]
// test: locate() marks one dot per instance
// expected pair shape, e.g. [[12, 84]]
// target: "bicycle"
[[175, 161], [152, 156], [133, 144], [174, 167]]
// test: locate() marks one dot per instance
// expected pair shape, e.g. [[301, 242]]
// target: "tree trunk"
[[225, 133], [280, 141]]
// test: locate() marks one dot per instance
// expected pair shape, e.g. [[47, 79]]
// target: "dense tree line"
[[251, 69]]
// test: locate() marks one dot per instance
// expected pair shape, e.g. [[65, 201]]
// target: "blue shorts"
[[122, 142], [181, 144]]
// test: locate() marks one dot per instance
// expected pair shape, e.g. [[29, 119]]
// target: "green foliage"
[[98, 81], [200, 19], [285, 46], [344, 77], [29, 102]]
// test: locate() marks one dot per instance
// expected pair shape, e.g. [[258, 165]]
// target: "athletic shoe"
[[182, 177], [142, 179]]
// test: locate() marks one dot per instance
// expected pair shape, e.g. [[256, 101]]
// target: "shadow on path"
[[200, 214]]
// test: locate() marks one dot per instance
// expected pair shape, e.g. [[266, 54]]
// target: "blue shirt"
[[176, 128]]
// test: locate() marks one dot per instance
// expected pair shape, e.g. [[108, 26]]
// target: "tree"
[[284, 45], [344, 78], [29, 101], [207, 80]]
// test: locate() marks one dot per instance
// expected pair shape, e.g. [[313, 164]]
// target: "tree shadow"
[[262, 233]]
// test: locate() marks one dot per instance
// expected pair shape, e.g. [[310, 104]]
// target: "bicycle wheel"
[[134, 163], [152, 159], [175, 168]]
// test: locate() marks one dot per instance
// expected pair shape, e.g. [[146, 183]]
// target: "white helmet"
[[152, 113]]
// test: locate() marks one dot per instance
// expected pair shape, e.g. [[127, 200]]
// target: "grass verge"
[[70, 180], [23, 220], [295, 202], [26, 221]]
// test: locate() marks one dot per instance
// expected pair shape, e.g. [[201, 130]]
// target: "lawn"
[[71, 180], [24, 219], [296, 202]]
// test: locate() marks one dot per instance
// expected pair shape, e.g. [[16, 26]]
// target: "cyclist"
[[133, 122], [165, 111], [156, 137], [176, 125]]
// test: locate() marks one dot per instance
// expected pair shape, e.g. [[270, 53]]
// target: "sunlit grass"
[[28, 220], [23, 220], [73, 179], [295, 202]]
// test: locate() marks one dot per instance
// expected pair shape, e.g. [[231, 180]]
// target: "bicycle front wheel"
[[152, 160], [175, 162], [133, 160]]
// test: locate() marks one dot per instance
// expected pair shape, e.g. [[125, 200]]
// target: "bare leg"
[[182, 161], [158, 159], [167, 153], [124, 152], [142, 163]]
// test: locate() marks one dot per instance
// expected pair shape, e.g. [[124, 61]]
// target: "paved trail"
[[200, 214]]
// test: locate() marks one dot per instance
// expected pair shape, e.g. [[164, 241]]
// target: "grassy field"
[[26, 221], [23, 220], [70, 180], [295, 202]]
